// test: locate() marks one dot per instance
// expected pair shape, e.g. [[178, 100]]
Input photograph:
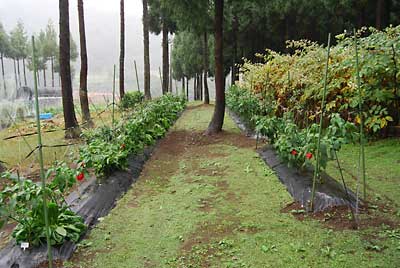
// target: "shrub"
[[131, 99], [293, 82]]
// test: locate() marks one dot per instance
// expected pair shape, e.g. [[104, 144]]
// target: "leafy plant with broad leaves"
[[22, 202]]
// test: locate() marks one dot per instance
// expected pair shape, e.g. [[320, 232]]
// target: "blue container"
[[45, 116]]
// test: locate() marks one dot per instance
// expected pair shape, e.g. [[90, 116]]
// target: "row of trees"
[[243, 28], [16, 47], [240, 29]]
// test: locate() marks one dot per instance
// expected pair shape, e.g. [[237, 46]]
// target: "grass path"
[[211, 202]]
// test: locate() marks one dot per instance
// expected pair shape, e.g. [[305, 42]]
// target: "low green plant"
[[295, 145], [22, 202], [63, 177], [131, 99], [107, 148]]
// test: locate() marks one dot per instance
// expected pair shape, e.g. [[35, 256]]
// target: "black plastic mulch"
[[329, 192], [92, 201]]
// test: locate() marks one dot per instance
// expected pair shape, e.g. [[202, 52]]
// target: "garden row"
[[293, 82], [106, 149], [282, 97]]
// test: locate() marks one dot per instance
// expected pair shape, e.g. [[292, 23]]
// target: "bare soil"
[[340, 218]]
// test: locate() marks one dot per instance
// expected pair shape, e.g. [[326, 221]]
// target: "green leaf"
[[61, 231]]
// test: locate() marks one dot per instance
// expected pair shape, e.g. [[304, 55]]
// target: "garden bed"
[[92, 201], [116, 162], [328, 194]]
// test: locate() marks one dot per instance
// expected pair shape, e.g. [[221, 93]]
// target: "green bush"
[[294, 82], [131, 99]]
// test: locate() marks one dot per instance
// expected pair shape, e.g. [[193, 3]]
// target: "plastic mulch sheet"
[[329, 192], [92, 201]]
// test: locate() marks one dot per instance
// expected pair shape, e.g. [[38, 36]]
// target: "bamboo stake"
[[395, 83], [137, 77], [40, 156], [345, 188], [360, 107], [317, 171], [113, 102]]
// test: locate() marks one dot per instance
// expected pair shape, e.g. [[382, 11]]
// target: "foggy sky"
[[102, 35]]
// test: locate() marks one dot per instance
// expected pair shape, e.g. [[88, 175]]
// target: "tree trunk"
[[206, 63], [165, 58], [23, 64], [170, 78], [15, 73], [379, 10], [235, 26], [194, 87], [19, 74], [183, 86], [187, 88], [147, 92], [219, 111], [4, 76], [122, 53], [37, 77], [71, 125], [201, 86], [83, 94], [382, 14], [44, 77], [52, 71]]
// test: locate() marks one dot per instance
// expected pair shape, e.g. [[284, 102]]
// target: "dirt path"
[[211, 202]]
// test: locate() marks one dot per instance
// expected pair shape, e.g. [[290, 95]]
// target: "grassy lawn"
[[382, 169], [211, 202]]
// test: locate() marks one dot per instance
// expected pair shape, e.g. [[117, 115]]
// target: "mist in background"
[[102, 21]]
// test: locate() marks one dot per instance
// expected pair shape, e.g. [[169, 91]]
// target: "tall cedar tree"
[[165, 57], [205, 57], [146, 53], [219, 110], [122, 53], [4, 49], [71, 125], [83, 94]]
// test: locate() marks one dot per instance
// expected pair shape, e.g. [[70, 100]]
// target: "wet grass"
[[211, 202]]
